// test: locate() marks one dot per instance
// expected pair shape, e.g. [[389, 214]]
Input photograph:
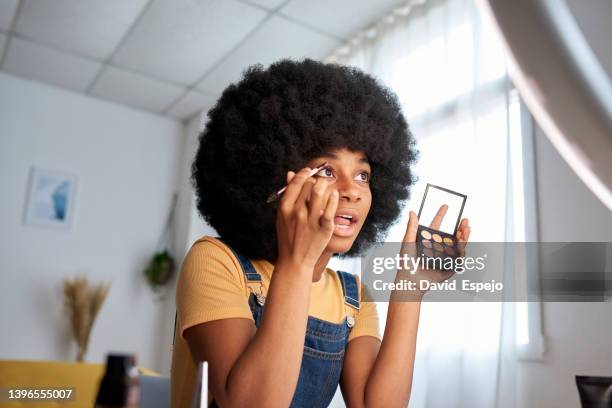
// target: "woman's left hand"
[[409, 247]]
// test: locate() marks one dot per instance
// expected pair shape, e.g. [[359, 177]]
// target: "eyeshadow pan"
[[428, 252], [438, 247], [449, 250], [448, 241], [427, 244], [436, 237], [426, 234]]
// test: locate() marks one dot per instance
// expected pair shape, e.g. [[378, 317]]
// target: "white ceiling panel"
[[179, 40], [277, 38], [7, 12], [341, 18], [191, 104], [269, 4], [33, 61], [135, 90], [161, 48], [90, 27]]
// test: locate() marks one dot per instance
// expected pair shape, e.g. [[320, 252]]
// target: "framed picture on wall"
[[51, 198]]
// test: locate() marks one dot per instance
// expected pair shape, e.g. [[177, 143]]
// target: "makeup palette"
[[436, 235]]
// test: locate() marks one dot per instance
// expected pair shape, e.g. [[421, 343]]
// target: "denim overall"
[[324, 344]]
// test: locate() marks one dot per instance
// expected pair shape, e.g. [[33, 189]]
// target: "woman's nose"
[[347, 189]]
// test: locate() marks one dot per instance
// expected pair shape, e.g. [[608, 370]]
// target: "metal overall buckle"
[[350, 320], [260, 297]]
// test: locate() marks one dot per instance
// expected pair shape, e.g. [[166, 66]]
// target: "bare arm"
[[390, 381], [380, 374], [260, 367]]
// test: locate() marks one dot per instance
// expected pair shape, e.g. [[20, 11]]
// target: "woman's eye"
[[325, 172], [364, 176]]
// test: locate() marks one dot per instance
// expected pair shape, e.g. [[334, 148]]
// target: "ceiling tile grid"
[[278, 38], [268, 4], [8, 8], [33, 61], [190, 104], [135, 90], [340, 18], [89, 27], [179, 40], [170, 57]]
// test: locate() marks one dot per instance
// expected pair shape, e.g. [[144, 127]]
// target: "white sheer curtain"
[[448, 68]]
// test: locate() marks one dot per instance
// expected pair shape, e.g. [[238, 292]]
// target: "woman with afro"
[[277, 326]]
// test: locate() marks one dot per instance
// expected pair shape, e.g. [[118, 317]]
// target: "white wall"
[[568, 210], [197, 227], [189, 227], [127, 163]]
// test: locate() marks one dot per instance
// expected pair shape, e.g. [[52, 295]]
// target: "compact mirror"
[[433, 199], [436, 234]]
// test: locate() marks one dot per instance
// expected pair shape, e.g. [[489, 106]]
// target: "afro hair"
[[277, 119]]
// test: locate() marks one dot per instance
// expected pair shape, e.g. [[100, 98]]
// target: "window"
[[448, 68]]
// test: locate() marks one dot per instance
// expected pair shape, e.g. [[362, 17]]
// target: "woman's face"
[[348, 172]]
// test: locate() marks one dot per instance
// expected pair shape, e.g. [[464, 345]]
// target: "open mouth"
[[345, 221]]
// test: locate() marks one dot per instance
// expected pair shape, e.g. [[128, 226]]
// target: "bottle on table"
[[120, 386]]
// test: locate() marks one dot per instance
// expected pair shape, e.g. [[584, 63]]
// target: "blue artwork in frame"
[[51, 198]]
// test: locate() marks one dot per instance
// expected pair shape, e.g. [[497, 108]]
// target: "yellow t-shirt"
[[212, 286]]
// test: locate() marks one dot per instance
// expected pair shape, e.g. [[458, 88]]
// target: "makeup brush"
[[274, 196]]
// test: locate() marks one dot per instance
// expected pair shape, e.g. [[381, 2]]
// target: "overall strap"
[[248, 269], [349, 289], [251, 275], [351, 296]]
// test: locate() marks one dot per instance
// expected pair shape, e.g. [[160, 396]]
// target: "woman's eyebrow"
[[364, 160], [331, 155]]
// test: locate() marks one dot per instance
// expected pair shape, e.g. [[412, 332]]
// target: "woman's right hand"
[[305, 218]]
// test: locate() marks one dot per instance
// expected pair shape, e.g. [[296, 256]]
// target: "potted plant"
[[160, 268]]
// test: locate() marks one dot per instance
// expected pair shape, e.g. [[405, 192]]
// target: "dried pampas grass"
[[83, 304]]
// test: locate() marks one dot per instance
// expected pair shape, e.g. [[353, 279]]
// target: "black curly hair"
[[277, 119]]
